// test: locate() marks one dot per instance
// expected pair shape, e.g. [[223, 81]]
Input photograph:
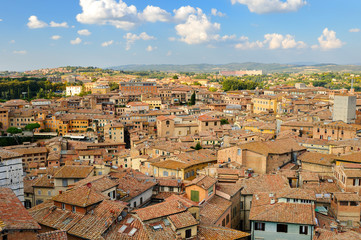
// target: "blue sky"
[[50, 33]]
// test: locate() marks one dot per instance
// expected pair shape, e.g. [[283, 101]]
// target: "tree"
[[14, 130], [175, 77], [32, 126], [212, 89], [224, 121], [198, 146], [193, 99]]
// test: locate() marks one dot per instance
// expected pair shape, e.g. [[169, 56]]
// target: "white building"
[[11, 172], [344, 108], [73, 90]]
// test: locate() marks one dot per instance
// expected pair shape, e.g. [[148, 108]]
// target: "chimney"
[[273, 201], [89, 185]]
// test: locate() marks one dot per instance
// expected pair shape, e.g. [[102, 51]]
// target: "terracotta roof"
[[346, 196], [281, 146], [6, 154], [262, 183], [281, 212], [172, 205], [33, 150], [98, 183], [132, 186], [183, 220], [72, 171], [53, 235], [297, 193], [203, 181], [82, 197], [123, 230], [213, 209], [13, 215], [220, 233], [317, 158]]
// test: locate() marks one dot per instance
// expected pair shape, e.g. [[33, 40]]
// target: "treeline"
[[230, 84], [14, 88]]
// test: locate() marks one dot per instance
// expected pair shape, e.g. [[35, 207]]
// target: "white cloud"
[[111, 12], [108, 43], [271, 41], [55, 37], [217, 13], [12, 41], [155, 14], [34, 22], [131, 38], [20, 52], [354, 30], [270, 6], [1, 19], [328, 40], [276, 41], [63, 24], [182, 13], [84, 32], [75, 41], [150, 48], [197, 29]]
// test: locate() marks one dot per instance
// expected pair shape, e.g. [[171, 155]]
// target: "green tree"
[[198, 146], [14, 130], [193, 99], [175, 77], [224, 121], [32, 126], [212, 89]]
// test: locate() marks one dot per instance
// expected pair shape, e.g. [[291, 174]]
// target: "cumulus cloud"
[[75, 41], [20, 52], [111, 12], [1, 19], [276, 41], [197, 29], [354, 30], [34, 22], [154, 14], [217, 13], [182, 13], [84, 32], [63, 24], [271, 41], [108, 43], [55, 37], [271, 6], [328, 40], [150, 48], [131, 38]]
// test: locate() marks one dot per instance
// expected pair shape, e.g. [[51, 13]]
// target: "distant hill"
[[265, 67]]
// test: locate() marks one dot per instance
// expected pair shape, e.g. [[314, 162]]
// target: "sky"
[[38, 34]]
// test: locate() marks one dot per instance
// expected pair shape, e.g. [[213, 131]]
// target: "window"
[[65, 182], [194, 196], [353, 203], [73, 209], [282, 228], [171, 189], [39, 192], [206, 124], [141, 200], [63, 206], [49, 193], [343, 203], [259, 226], [240, 151], [188, 233], [224, 222], [165, 174], [241, 205], [135, 204], [304, 230], [210, 191], [356, 182], [227, 219]]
